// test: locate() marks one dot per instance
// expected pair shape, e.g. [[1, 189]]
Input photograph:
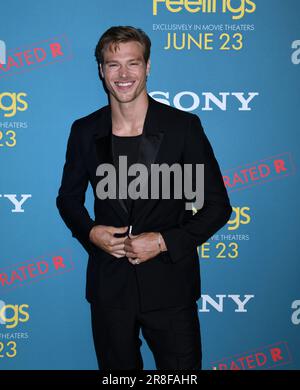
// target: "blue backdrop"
[[243, 83]]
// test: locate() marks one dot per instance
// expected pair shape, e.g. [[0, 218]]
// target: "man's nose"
[[123, 71]]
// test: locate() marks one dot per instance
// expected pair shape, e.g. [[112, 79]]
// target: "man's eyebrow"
[[131, 59]]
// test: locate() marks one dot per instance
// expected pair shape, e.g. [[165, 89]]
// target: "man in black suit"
[[143, 270]]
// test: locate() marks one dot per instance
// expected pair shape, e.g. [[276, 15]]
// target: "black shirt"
[[126, 146]]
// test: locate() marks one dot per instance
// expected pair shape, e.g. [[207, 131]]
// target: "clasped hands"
[[137, 248]]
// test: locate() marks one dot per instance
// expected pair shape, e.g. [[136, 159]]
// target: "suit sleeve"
[[216, 210], [71, 195]]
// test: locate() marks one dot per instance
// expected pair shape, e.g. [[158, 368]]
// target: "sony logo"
[[208, 102]]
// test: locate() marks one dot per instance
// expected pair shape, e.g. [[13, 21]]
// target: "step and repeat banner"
[[234, 63]]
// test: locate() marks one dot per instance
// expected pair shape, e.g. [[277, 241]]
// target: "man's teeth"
[[125, 84]]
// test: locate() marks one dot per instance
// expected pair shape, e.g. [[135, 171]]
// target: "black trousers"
[[172, 334]]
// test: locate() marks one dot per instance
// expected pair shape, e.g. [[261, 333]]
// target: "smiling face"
[[124, 71]]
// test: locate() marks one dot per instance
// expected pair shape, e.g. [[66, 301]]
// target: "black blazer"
[[172, 278]]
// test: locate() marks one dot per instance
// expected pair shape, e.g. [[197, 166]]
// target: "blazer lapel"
[[103, 142], [151, 140]]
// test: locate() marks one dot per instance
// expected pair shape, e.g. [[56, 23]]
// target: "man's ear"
[[101, 71], [148, 67]]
